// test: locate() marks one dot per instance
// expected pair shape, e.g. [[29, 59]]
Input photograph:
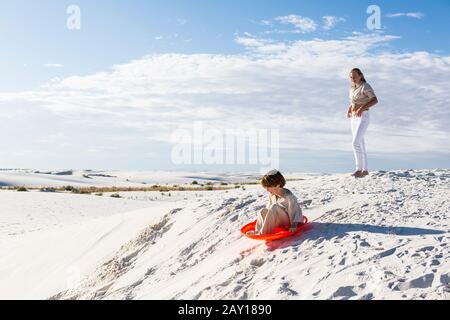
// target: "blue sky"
[[42, 61], [118, 31]]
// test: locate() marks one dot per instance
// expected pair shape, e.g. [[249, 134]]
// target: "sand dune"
[[383, 237], [87, 178]]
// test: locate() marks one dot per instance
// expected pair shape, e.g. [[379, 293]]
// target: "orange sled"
[[279, 232]]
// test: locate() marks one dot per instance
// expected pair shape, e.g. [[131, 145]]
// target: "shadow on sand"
[[328, 231]]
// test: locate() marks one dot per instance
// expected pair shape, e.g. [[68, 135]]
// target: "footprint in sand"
[[445, 279], [368, 296], [419, 283], [285, 289], [344, 293], [425, 249], [226, 283], [315, 294], [435, 262], [257, 262]]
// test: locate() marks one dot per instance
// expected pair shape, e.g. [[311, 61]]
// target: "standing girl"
[[362, 98]]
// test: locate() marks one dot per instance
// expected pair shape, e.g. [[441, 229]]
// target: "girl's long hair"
[[358, 71]]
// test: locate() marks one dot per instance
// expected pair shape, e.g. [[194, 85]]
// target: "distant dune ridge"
[[386, 236], [86, 178]]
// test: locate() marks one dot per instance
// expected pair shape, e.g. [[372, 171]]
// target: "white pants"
[[359, 128], [271, 218]]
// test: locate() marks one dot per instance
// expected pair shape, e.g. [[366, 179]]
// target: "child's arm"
[[270, 202], [295, 225], [295, 213]]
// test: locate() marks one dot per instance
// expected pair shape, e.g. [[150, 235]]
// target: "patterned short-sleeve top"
[[289, 202], [361, 94]]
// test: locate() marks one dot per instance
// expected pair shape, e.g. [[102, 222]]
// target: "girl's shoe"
[[365, 173], [357, 174]]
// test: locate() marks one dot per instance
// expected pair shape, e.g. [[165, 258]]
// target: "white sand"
[[85, 178], [383, 237]]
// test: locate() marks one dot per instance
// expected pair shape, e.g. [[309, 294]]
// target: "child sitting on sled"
[[283, 210]]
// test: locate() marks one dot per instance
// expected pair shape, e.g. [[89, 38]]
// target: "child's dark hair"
[[273, 179]]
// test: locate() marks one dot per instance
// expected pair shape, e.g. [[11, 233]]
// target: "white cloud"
[[53, 65], [174, 36], [266, 22], [249, 42], [329, 22], [299, 87], [417, 15], [263, 46], [302, 24]]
